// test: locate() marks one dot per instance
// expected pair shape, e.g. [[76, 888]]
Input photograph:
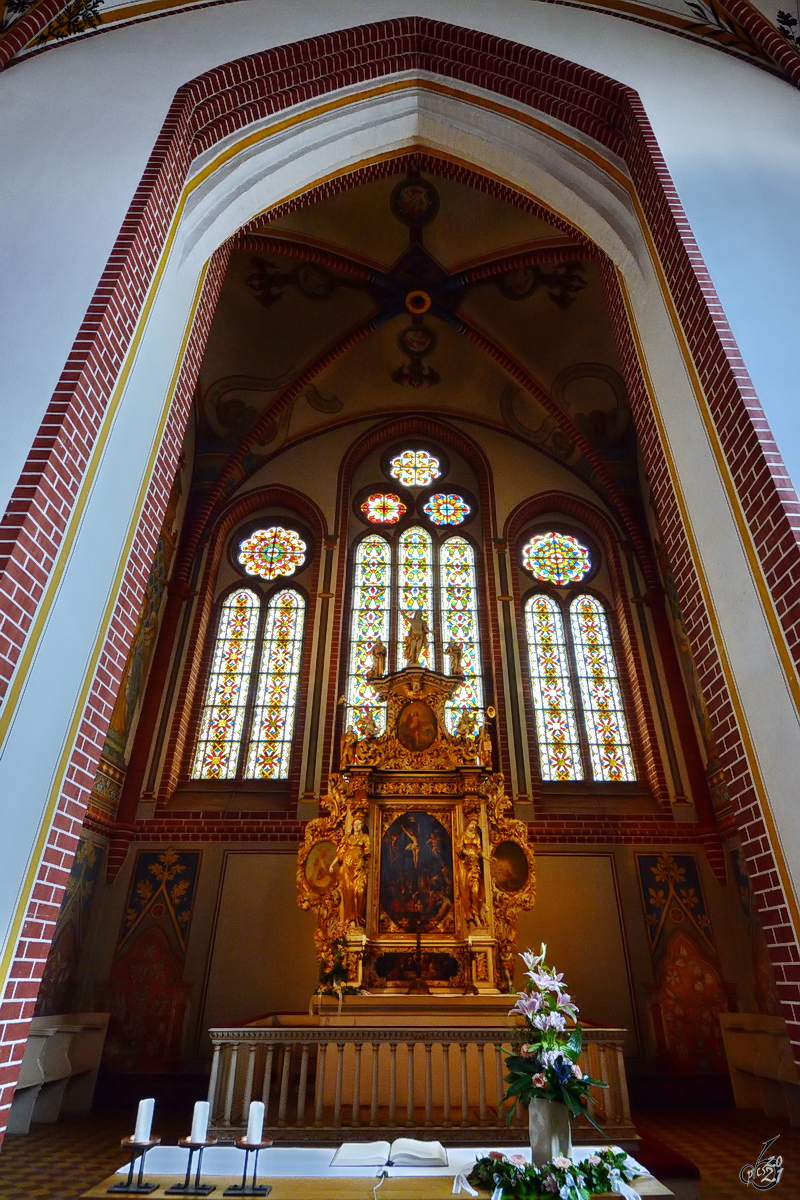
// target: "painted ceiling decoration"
[[740, 27]]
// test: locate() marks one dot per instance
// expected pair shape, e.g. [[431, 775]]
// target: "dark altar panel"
[[415, 872]]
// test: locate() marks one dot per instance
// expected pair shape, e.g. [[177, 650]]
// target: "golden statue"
[[366, 724], [470, 853], [485, 747], [378, 652], [351, 861], [416, 639], [347, 748], [455, 652]]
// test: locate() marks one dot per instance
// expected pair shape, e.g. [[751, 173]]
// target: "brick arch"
[[220, 103]]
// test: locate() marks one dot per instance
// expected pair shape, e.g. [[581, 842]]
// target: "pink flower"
[[528, 1051], [593, 1160], [562, 1163], [576, 1071], [497, 1155], [539, 1080], [526, 1006], [519, 1160], [551, 1184]]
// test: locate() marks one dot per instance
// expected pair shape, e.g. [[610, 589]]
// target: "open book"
[[402, 1152]]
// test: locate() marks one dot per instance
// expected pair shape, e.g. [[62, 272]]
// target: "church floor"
[[59, 1162]]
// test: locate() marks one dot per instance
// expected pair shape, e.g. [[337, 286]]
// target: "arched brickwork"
[[216, 105]]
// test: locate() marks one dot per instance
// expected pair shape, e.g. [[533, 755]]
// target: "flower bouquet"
[[544, 1068], [333, 973], [513, 1175]]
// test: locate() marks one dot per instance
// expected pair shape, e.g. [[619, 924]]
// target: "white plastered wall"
[[81, 178]]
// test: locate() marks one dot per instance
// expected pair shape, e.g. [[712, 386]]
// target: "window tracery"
[[415, 468], [370, 622], [224, 707], [553, 703], [270, 742], [271, 552], [415, 586], [604, 715], [459, 593], [446, 509]]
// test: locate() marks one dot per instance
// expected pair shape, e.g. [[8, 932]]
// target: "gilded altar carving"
[[416, 867]]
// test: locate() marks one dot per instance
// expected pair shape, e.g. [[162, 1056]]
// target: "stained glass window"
[[371, 604], [459, 595], [446, 509], [272, 552], [415, 587], [270, 744], [222, 720], [415, 468], [556, 558], [553, 703], [383, 508], [606, 727]]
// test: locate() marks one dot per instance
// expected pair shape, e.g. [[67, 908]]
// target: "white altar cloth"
[[304, 1161]]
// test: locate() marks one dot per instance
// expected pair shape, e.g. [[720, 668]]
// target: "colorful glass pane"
[[556, 558], [370, 621], [553, 704], [415, 587], [270, 745], [383, 508], [460, 625], [446, 509], [415, 468], [606, 727], [272, 552], [222, 719]]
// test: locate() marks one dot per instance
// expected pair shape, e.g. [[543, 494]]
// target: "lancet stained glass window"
[[606, 727], [459, 599], [272, 552], [270, 744], [415, 468], [415, 587], [553, 702], [224, 708], [370, 621]]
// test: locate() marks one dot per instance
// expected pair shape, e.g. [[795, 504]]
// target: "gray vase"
[[550, 1130]]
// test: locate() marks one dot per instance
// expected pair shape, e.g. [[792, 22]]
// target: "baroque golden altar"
[[417, 869]]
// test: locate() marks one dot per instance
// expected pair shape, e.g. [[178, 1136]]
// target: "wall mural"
[[766, 992], [57, 988], [689, 992], [146, 995]]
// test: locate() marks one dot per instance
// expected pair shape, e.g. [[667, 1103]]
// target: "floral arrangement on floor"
[[514, 1176], [546, 1065]]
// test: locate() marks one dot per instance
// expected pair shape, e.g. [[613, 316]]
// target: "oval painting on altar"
[[416, 726], [509, 867], [318, 866]]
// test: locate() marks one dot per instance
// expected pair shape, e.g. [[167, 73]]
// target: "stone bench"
[[59, 1068], [762, 1067]]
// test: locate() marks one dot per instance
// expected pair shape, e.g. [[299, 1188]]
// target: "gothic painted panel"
[[58, 982], [689, 992], [416, 874], [146, 995]]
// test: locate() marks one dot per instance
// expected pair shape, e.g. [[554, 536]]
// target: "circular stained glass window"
[[272, 552], [556, 558], [446, 509], [383, 508], [415, 468]]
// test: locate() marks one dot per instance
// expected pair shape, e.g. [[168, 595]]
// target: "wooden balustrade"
[[322, 1084]]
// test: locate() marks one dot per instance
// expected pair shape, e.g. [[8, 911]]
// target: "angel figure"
[[366, 725], [416, 639], [351, 862], [465, 726], [455, 652], [378, 653], [347, 748], [470, 853]]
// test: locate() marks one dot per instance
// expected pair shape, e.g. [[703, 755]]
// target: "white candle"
[[144, 1121], [199, 1122], [255, 1124]]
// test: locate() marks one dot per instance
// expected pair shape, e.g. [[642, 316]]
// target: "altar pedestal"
[[415, 1012]]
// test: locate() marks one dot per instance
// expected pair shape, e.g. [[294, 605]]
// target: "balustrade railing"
[[333, 1084]]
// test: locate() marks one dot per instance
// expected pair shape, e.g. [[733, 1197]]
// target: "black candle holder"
[[187, 1188], [136, 1187], [244, 1188]]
